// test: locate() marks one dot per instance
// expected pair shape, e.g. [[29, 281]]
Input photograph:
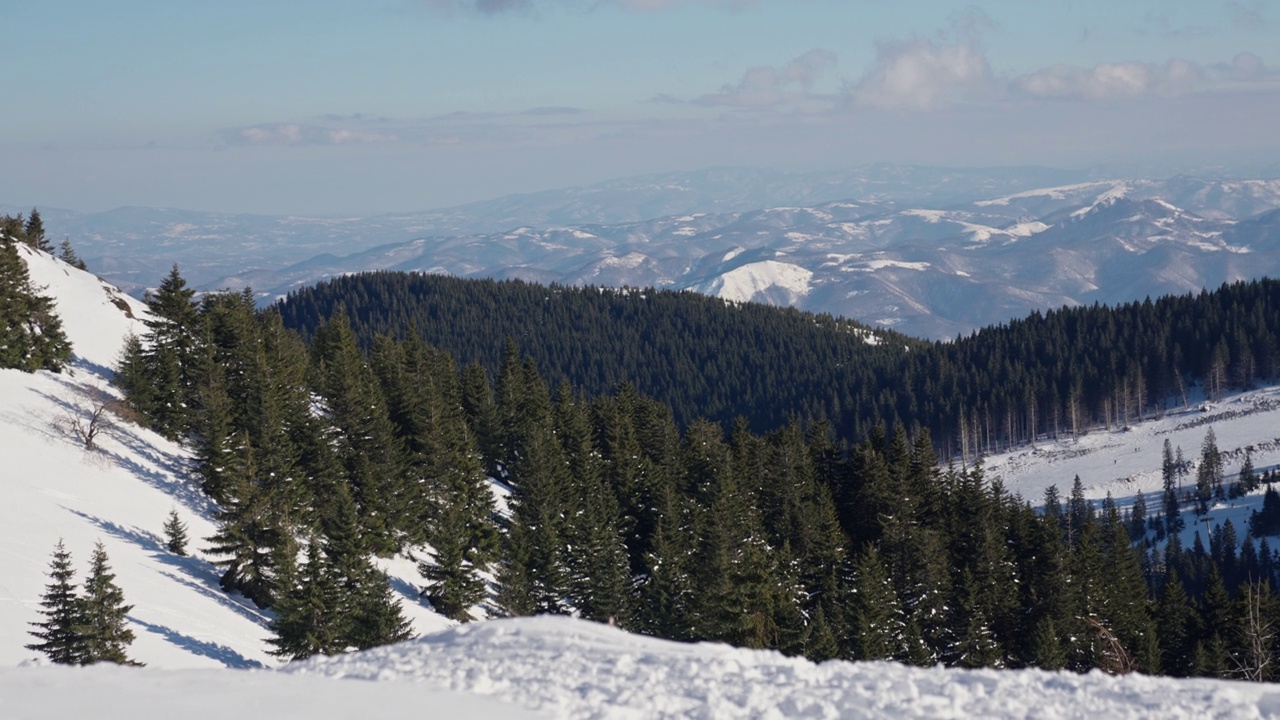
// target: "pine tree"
[[175, 534], [31, 336], [1047, 647], [1169, 473], [878, 620], [68, 255], [1209, 473], [309, 610], [103, 614], [365, 438], [34, 232], [377, 617], [248, 534], [171, 356], [60, 633]]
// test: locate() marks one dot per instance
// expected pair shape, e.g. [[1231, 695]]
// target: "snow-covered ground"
[[205, 651], [1124, 461], [119, 494], [565, 668]]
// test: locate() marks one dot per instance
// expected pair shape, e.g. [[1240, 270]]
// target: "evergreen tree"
[[1047, 652], [1177, 623], [68, 255], [1169, 473], [175, 534], [309, 611], [33, 232], [1248, 478], [878, 624], [365, 438], [171, 356], [60, 633], [1209, 473], [248, 534], [31, 336], [103, 613]]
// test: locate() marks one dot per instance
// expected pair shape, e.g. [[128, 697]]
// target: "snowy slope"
[[119, 494], [565, 668], [1124, 461]]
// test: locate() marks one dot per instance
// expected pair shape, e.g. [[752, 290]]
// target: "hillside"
[[707, 358], [703, 357], [120, 494], [557, 666]]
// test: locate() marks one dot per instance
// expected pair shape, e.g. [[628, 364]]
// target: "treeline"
[[1060, 372], [31, 232], [323, 457]]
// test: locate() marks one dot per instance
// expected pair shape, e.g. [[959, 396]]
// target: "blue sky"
[[348, 106]]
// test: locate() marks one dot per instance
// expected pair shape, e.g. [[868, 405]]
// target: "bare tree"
[[1257, 634], [87, 417]]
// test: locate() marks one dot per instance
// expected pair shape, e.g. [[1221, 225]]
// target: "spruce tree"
[[171, 356], [68, 255], [175, 533], [31, 336], [1209, 473], [370, 452], [1169, 473], [104, 614], [1047, 647], [34, 232], [60, 633], [878, 620], [310, 615]]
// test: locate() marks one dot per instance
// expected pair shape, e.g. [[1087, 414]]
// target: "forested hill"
[[1052, 373], [702, 356]]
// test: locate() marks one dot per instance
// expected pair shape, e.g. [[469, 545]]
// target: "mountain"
[[923, 271], [187, 627], [135, 245], [930, 252]]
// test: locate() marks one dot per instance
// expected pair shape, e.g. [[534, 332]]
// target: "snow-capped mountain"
[[923, 271], [927, 251]]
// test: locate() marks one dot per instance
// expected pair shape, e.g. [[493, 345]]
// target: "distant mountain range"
[[929, 252]]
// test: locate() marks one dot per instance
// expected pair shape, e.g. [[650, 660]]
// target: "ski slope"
[[206, 654]]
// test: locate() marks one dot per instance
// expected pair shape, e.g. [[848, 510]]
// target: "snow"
[[880, 264], [929, 216], [574, 669], [205, 649], [1126, 461], [744, 283], [1118, 189], [119, 494]]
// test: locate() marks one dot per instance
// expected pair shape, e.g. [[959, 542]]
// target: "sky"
[[336, 107]]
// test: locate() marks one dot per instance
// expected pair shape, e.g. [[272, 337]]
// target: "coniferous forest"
[[842, 539], [1049, 374]]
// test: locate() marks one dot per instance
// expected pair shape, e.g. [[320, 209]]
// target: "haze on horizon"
[[344, 107]]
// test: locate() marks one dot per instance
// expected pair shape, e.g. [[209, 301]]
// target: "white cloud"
[[923, 74], [300, 134], [1112, 80], [769, 87]]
